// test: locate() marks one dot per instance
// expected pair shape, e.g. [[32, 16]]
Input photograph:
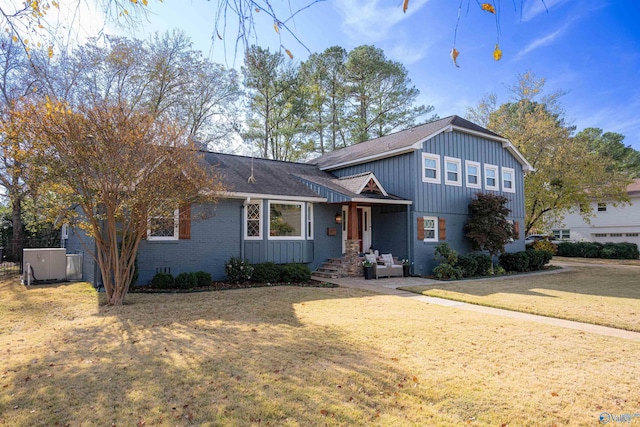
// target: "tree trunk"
[[16, 220]]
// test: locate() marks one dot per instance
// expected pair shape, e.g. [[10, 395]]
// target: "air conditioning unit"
[[47, 264]]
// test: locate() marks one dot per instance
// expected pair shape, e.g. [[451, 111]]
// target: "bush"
[[620, 251], [203, 278], [238, 270], [484, 263], [598, 250], [445, 254], [545, 245], [538, 259], [266, 272], [296, 273], [186, 281], [447, 271], [468, 264], [162, 281], [515, 261]]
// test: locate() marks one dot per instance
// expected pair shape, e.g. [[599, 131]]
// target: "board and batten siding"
[[450, 199]]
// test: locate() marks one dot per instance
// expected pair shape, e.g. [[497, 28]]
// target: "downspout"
[[409, 238]]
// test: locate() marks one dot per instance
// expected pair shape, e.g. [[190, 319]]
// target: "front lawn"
[[288, 356], [601, 295]]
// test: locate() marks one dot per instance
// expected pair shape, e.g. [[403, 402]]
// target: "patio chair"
[[387, 267]]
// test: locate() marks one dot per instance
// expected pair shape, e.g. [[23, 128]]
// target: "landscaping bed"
[[223, 286]]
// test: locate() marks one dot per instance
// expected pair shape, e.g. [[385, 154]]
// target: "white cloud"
[[542, 41], [370, 21], [536, 7]]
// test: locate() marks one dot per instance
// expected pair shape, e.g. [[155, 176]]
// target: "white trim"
[[176, 229], [380, 201], [471, 163], [386, 154], [309, 222], [513, 180], [302, 220], [435, 157], [246, 220], [494, 168], [435, 228], [458, 163], [238, 195], [370, 177]]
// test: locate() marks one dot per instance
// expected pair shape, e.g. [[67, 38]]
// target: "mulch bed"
[[223, 286]]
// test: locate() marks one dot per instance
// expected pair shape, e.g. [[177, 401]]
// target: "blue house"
[[402, 194]]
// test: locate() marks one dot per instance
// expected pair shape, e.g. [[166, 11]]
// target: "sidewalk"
[[390, 286]]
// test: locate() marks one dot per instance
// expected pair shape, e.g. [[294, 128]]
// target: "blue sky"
[[588, 48]]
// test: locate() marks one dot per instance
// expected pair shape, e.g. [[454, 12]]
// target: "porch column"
[[352, 244]]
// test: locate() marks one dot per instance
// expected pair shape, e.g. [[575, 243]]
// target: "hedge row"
[[181, 281], [530, 260], [598, 250]]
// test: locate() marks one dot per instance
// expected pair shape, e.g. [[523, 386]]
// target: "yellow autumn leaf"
[[145, 2], [497, 53], [275, 27], [488, 8], [50, 51], [454, 56], [125, 11], [289, 53], [15, 39], [134, 1], [25, 41], [405, 6]]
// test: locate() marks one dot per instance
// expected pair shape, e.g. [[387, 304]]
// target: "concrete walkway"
[[389, 286]]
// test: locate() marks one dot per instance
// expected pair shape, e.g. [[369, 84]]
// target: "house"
[[402, 193], [609, 223]]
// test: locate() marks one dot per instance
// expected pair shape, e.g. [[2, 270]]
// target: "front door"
[[364, 226]]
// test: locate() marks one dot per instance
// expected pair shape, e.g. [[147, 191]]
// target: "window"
[[632, 235], [164, 224], [430, 225], [615, 235], [561, 234], [286, 220], [602, 207], [508, 176], [453, 169], [253, 221], [600, 235], [473, 174], [431, 168], [491, 177], [310, 221]]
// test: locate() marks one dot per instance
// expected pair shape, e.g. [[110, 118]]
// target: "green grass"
[[602, 295], [286, 356]]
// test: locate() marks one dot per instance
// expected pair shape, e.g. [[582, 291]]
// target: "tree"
[[488, 227], [120, 167], [566, 173], [625, 159], [380, 95]]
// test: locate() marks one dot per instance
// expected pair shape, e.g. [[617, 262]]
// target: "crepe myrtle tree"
[[488, 227], [118, 166]]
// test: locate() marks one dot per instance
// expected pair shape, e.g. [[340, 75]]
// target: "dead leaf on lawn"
[[554, 394]]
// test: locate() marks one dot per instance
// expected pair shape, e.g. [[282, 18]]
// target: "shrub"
[[162, 281], [186, 281], [538, 259], [296, 273], [484, 263], [446, 271], [445, 254], [238, 270], [545, 245], [266, 272], [203, 278], [468, 264], [620, 251], [515, 261]]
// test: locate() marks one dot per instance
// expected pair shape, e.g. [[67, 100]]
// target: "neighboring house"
[[609, 223], [402, 193]]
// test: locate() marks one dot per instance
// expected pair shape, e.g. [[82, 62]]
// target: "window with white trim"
[[602, 207], [253, 220], [453, 171], [164, 224], [508, 180], [473, 176], [430, 225], [491, 177], [309, 221], [431, 168], [561, 234], [286, 220]]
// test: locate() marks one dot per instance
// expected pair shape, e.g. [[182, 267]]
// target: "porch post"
[[352, 245]]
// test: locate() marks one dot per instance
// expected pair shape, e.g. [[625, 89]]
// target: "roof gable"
[[407, 141]]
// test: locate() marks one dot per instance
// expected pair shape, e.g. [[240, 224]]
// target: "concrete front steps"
[[334, 268]]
